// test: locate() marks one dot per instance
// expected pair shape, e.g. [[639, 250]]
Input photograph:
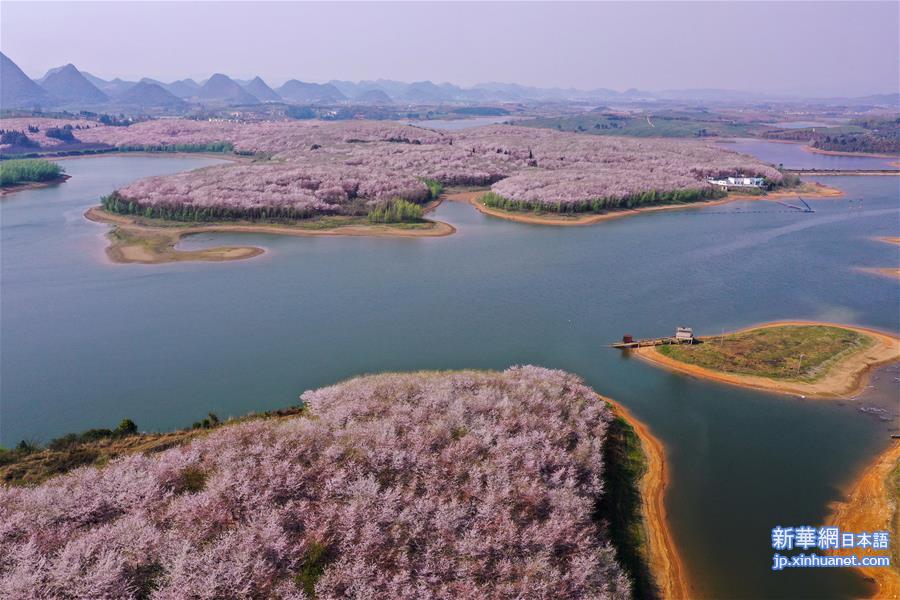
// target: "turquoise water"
[[85, 343]]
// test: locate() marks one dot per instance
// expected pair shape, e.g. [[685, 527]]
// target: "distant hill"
[[425, 91], [373, 97], [67, 86], [221, 88], [150, 95], [310, 93], [16, 89], [183, 88], [111, 88], [261, 90]]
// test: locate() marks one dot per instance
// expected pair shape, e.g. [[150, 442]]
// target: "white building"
[[739, 182]]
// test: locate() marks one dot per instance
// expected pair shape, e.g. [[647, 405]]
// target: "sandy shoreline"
[[846, 378], [890, 272], [809, 191], [809, 148], [666, 563], [870, 506], [133, 242], [33, 185]]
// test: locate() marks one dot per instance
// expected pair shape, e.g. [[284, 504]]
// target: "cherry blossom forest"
[[440, 485], [321, 167]]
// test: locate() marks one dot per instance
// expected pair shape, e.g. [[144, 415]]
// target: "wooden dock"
[[648, 342], [683, 335]]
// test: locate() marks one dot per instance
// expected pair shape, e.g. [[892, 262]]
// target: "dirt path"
[[665, 561], [846, 378], [808, 191], [870, 506]]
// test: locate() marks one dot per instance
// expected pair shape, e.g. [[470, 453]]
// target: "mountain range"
[[67, 87]]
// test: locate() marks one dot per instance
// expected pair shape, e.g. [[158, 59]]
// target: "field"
[[790, 352]]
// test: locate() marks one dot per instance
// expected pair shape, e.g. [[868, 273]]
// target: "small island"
[[150, 240], [492, 204], [808, 359], [22, 174]]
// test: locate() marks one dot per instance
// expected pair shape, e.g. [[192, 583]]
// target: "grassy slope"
[[625, 465], [31, 466], [773, 352]]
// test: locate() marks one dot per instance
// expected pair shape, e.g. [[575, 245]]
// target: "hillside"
[[310, 93], [399, 486], [221, 88], [373, 97], [261, 90], [16, 88], [68, 86], [150, 95]]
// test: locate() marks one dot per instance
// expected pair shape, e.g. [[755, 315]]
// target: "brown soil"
[[133, 241], [32, 185], [665, 561], [870, 506], [892, 272], [847, 377], [808, 190]]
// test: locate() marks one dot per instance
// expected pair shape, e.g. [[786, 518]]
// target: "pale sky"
[[805, 48]]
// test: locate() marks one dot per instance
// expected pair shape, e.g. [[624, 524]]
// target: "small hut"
[[684, 335]]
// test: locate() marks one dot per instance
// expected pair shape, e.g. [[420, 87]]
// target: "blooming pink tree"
[[445, 485]]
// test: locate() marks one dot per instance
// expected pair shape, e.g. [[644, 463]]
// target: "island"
[[809, 359], [147, 240], [27, 173], [371, 481]]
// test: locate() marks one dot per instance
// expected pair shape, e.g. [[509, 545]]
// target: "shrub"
[[14, 172], [396, 211]]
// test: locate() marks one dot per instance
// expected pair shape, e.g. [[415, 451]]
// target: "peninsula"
[[810, 359], [322, 489]]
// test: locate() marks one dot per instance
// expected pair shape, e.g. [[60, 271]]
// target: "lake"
[[86, 343], [458, 124], [794, 156]]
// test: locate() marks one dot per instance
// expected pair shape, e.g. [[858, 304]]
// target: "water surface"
[[794, 156], [85, 343]]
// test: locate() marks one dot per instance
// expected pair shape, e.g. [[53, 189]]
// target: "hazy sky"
[[815, 48]]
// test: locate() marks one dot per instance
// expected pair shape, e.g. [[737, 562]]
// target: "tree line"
[[116, 203], [208, 147], [13, 172], [596, 205], [397, 210]]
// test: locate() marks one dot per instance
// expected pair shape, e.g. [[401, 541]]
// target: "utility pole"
[[799, 364]]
